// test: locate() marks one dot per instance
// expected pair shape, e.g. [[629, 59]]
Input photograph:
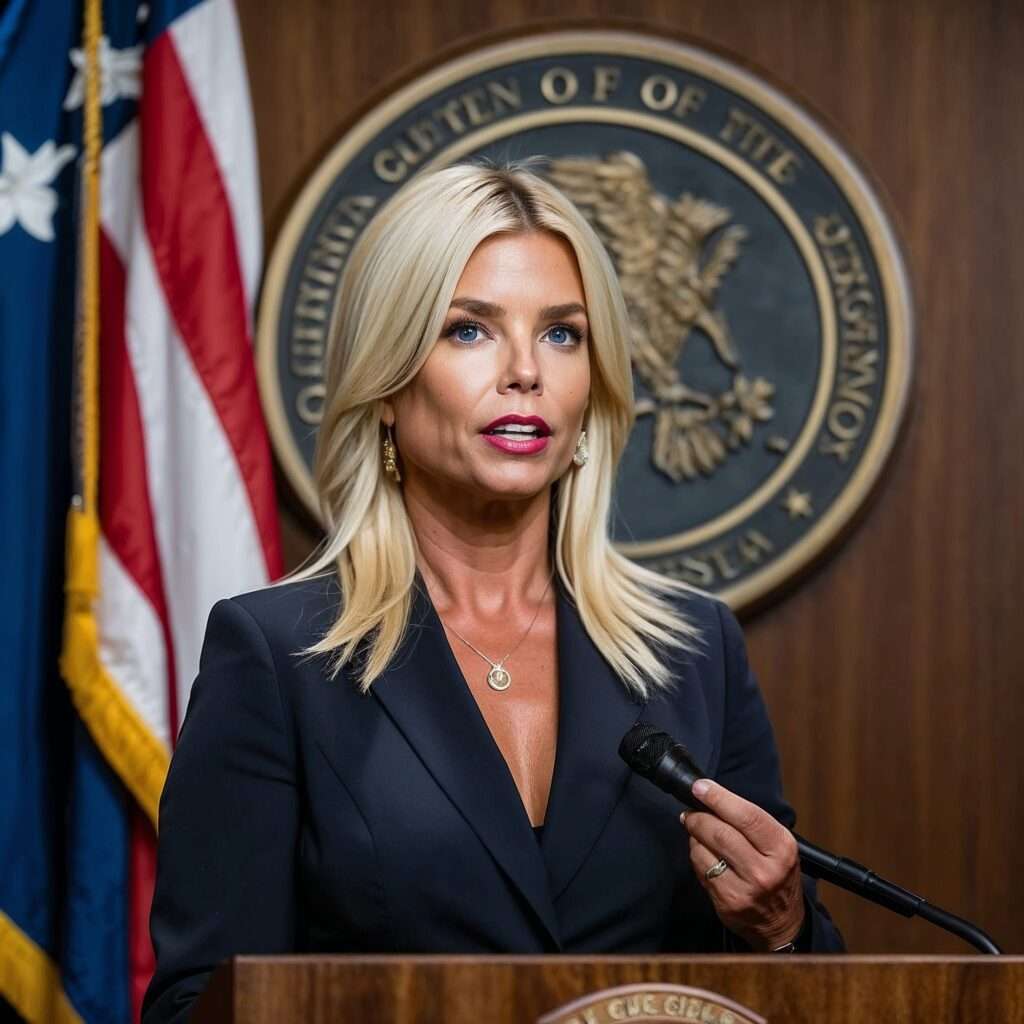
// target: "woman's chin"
[[520, 483]]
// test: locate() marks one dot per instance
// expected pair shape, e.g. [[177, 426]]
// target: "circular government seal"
[[770, 308], [653, 1003]]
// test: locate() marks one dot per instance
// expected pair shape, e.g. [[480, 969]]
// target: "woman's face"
[[514, 342]]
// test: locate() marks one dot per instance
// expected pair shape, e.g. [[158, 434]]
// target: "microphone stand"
[[855, 878]]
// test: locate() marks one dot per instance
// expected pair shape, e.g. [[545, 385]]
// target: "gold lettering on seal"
[[314, 302], [388, 166], [636, 1005], [650, 1004], [559, 86], [309, 403], [848, 412], [719, 563], [661, 93], [470, 109], [606, 81], [753, 140]]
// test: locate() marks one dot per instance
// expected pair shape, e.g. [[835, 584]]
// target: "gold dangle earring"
[[582, 454], [390, 462]]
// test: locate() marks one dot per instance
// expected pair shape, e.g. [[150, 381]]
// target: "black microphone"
[[669, 765]]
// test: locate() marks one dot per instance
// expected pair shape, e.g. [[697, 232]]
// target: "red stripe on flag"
[[126, 514], [142, 875], [188, 220]]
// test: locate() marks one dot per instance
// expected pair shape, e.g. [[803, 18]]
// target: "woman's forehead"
[[535, 264]]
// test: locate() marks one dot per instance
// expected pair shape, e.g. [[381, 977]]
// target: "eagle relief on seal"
[[671, 257]]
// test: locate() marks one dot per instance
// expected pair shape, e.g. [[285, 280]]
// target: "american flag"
[[186, 507], [187, 504]]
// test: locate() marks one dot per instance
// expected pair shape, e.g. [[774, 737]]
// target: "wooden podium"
[[562, 989]]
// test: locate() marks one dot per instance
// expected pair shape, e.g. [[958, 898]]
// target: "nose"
[[521, 368]]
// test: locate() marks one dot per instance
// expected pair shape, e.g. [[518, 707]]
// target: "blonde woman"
[[411, 745]]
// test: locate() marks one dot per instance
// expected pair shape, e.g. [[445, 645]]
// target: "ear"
[[387, 413]]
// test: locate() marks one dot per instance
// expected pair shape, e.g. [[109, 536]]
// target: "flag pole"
[[81, 583], [86, 412]]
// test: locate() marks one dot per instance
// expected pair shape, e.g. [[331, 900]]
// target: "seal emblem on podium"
[[771, 316]]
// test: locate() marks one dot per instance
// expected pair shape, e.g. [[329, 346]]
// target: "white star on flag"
[[25, 195], [119, 74]]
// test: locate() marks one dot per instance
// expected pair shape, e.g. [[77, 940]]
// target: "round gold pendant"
[[498, 678]]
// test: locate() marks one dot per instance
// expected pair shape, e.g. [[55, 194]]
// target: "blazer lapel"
[[595, 712], [426, 696]]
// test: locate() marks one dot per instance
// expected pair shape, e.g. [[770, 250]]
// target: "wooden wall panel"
[[894, 671]]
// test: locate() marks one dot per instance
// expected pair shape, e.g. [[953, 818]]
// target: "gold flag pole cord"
[[129, 745]]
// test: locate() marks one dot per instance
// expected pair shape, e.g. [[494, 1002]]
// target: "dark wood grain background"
[[895, 672]]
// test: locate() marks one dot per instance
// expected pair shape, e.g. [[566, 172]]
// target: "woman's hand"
[[759, 896]]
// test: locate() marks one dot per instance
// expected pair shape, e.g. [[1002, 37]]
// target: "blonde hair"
[[394, 297]]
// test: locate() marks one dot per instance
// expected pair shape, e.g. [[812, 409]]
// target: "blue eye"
[[564, 335], [465, 331]]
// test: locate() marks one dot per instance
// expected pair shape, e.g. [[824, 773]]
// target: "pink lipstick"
[[518, 435]]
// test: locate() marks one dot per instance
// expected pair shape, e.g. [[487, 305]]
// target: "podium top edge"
[[521, 960]]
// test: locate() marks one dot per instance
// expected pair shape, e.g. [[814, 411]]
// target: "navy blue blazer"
[[302, 816]]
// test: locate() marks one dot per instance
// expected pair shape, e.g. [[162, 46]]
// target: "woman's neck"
[[481, 559]]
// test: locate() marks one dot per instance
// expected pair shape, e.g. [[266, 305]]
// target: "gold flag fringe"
[[29, 980]]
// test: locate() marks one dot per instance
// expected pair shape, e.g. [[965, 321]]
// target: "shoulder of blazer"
[[700, 608], [296, 614], [719, 633]]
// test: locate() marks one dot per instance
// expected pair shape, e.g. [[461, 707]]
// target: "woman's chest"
[[517, 696]]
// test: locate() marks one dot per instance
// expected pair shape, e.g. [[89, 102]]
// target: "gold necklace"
[[499, 678]]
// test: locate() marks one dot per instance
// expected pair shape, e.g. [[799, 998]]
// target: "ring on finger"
[[717, 869]]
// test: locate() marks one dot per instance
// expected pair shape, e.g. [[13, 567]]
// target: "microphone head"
[[643, 747]]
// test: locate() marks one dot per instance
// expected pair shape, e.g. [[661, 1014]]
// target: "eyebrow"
[[478, 307]]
